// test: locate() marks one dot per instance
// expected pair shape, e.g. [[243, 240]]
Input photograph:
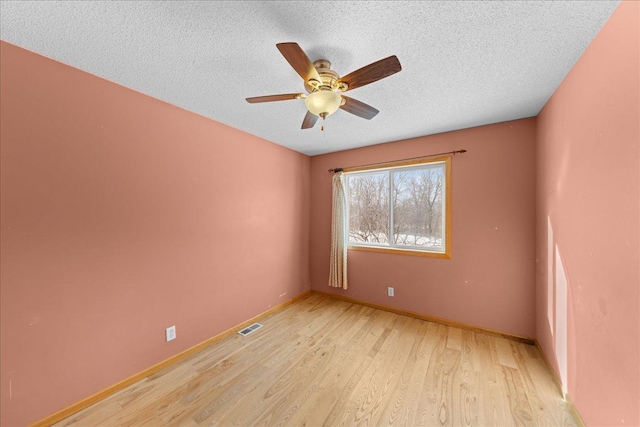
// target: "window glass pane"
[[369, 207], [418, 207]]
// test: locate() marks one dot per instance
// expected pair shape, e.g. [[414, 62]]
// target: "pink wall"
[[490, 279], [123, 215], [588, 190]]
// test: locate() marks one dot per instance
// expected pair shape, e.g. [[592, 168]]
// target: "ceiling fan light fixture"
[[323, 102], [325, 86]]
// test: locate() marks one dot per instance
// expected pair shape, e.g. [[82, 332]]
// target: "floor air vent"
[[246, 331]]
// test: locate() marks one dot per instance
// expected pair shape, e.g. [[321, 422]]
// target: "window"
[[401, 207]]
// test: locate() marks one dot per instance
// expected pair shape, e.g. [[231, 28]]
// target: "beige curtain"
[[338, 262]]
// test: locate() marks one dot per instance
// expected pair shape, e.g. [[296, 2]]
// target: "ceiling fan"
[[325, 87]]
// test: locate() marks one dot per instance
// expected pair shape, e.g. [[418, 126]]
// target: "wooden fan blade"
[[271, 98], [309, 121], [299, 61], [372, 72], [358, 108]]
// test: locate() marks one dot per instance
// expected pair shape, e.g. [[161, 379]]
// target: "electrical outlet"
[[170, 333], [390, 291]]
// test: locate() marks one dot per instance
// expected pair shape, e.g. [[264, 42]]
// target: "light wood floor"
[[321, 361]]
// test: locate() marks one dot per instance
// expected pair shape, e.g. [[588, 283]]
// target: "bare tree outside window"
[[417, 207], [402, 207], [369, 207]]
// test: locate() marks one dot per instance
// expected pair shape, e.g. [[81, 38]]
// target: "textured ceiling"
[[464, 63]]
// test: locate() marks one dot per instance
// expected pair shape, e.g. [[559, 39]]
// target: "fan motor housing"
[[327, 75]]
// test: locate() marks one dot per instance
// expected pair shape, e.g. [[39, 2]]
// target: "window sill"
[[444, 255]]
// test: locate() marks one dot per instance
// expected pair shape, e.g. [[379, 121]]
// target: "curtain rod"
[[401, 160]]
